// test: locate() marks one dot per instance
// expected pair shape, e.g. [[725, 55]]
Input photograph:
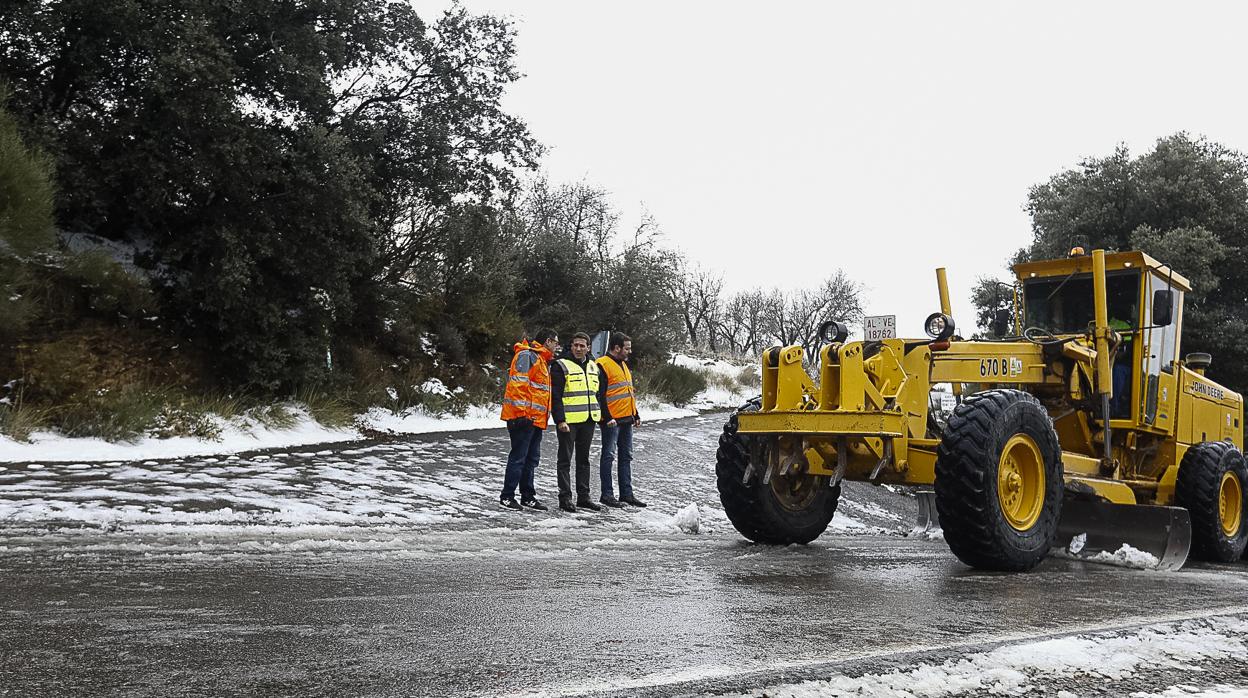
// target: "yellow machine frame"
[[867, 417]]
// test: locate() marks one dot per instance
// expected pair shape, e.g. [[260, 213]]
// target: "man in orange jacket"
[[526, 405], [618, 419]]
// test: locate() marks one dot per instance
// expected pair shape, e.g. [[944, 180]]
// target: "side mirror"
[[1001, 322], [1163, 307]]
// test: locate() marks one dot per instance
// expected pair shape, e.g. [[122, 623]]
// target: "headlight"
[[833, 331], [939, 326]]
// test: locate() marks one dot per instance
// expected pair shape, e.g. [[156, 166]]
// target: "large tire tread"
[[966, 472], [1197, 490], [751, 508]]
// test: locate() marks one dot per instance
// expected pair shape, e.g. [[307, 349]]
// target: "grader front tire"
[[999, 481], [790, 509], [1211, 486]]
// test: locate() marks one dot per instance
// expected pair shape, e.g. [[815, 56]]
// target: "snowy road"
[[387, 569]]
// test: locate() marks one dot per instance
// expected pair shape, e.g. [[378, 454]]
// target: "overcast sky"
[[775, 142]]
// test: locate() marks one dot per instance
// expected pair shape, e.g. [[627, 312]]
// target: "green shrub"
[[193, 421], [675, 384], [17, 303], [124, 414], [60, 371], [413, 394], [108, 286]]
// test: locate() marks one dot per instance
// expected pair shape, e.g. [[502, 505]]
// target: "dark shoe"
[[533, 504], [566, 505], [630, 499], [586, 504], [509, 503], [611, 502]]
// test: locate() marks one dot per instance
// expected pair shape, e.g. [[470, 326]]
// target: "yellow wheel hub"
[[1230, 504], [1020, 482]]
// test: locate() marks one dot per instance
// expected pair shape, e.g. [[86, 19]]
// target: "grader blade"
[[1092, 530]]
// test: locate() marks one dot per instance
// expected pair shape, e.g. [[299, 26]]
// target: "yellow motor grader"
[[1081, 429]]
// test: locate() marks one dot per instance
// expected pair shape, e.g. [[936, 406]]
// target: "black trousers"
[[579, 437]]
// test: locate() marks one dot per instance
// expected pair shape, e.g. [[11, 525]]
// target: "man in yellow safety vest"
[[575, 409], [619, 417]]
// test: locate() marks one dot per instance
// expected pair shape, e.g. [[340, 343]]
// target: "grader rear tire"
[[1212, 483], [791, 509], [999, 481]]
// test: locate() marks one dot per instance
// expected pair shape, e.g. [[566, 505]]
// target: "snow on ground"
[[718, 396], [422, 484], [236, 436], [1189, 691], [411, 498], [416, 421], [240, 436], [720, 366], [1010, 670]]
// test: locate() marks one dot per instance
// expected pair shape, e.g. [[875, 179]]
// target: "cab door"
[[1160, 351]]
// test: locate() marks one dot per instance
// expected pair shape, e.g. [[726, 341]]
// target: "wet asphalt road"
[[486, 602]]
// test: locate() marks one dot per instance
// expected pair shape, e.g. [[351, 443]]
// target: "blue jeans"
[[526, 450], [617, 438]]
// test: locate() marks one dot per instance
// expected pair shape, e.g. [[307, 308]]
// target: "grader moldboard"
[[1082, 432]]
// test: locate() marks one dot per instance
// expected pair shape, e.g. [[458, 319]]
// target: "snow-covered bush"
[[675, 384]]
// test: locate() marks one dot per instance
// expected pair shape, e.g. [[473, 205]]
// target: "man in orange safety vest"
[[526, 406], [620, 416]]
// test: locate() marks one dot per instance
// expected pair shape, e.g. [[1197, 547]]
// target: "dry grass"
[[18, 419]]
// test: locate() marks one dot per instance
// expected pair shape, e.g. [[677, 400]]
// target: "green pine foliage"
[[26, 192], [26, 225]]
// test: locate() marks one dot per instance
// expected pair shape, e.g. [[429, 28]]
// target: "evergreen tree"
[[266, 154], [1186, 203], [25, 222]]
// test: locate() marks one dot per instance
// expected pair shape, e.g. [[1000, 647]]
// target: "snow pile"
[[688, 518], [1077, 543], [927, 533], [1008, 670], [1125, 556]]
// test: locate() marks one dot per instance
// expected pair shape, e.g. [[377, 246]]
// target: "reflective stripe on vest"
[[621, 402], [580, 392]]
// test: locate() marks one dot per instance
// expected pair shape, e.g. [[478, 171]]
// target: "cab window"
[[1064, 304]]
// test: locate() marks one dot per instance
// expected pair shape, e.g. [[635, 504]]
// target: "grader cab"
[[1080, 429]]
